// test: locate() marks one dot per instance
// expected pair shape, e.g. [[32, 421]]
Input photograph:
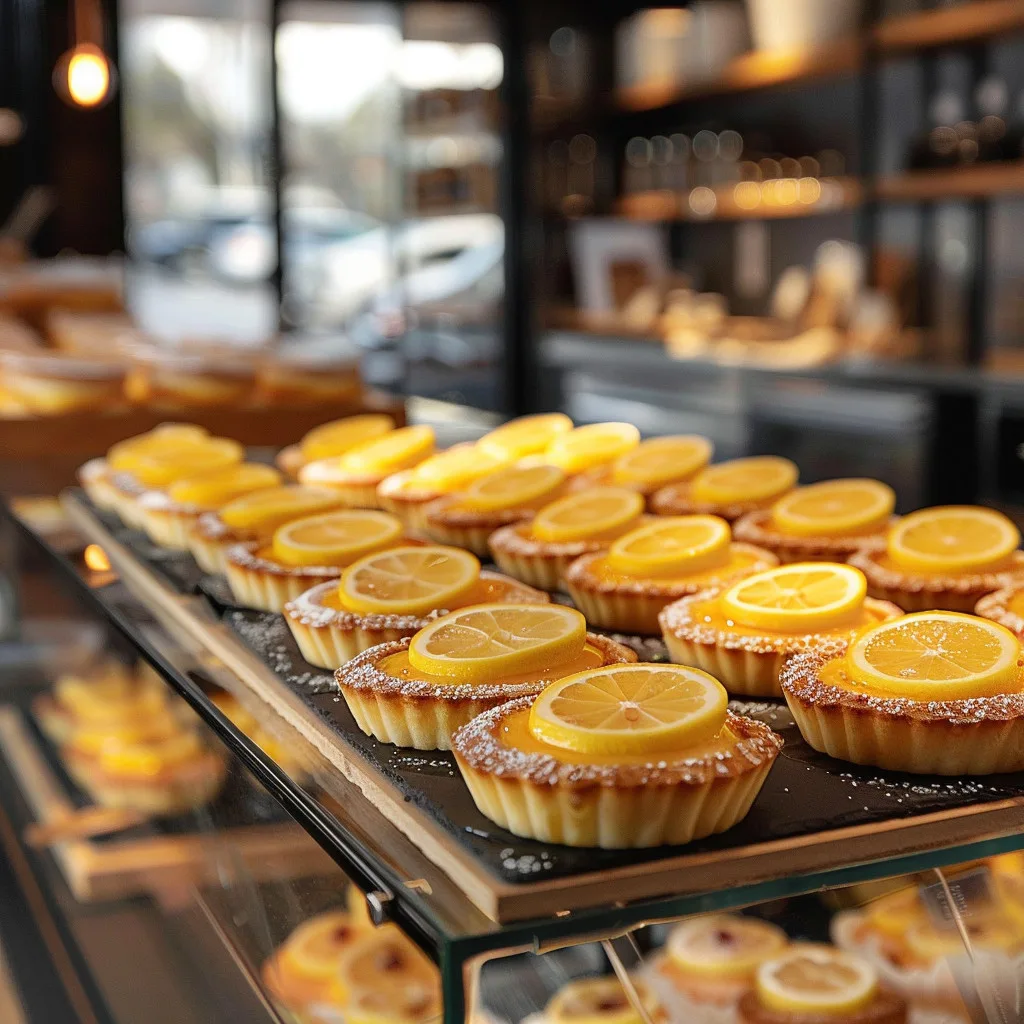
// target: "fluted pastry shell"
[[756, 528], [422, 714], [329, 637], [126, 491], [920, 592], [980, 736], [448, 522], [408, 503], [675, 500], [267, 585], [539, 563], [167, 523], [746, 665], [996, 606], [633, 605], [533, 794], [289, 460], [95, 478], [209, 537]]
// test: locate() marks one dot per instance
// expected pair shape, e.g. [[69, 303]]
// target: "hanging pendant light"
[[84, 75]]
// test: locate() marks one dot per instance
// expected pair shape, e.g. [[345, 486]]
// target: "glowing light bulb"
[[84, 76]]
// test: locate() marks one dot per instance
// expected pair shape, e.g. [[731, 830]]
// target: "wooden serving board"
[[144, 859], [813, 815]]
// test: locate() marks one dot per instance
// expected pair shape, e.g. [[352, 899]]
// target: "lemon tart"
[[512, 495], [416, 692], [168, 516], [809, 984], [330, 440], [745, 634], [824, 522], [602, 1001], [356, 475], [1004, 606], [622, 756], [305, 552], [711, 960], [590, 447], [540, 550], [946, 557], [392, 594], [525, 436], [653, 464], [625, 588], [253, 517], [933, 692], [410, 493], [728, 489]]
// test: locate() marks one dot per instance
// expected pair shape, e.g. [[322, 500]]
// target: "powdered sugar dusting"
[[247, 555], [268, 634]]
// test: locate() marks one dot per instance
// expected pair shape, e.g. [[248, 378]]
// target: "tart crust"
[[424, 715], [633, 605], [996, 606], [918, 593], [330, 637], [126, 491], [354, 491], [447, 522], [980, 736], [539, 563], [756, 528], [885, 1008], [95, 478], [289, 460], [167, 523], [267, 585], [209, 538], [612, 806], [675, 500], [409, 504], [746, 665]]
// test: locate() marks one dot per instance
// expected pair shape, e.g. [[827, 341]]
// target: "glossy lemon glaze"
[[837, 673], [736, 562], [484, 591], [710, 614]]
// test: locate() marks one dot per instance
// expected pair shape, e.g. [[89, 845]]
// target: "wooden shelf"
[[970, 21], [977, 182]]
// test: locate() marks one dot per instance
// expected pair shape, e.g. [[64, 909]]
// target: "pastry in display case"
[[330, 440], [50, 384]]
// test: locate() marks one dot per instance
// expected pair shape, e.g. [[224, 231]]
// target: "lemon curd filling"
[[515, 732], [837, 673], [711, 614], [484, 591], [398, 667], [736, 561]]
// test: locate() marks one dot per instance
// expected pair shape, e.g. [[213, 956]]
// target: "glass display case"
[[245, 851]]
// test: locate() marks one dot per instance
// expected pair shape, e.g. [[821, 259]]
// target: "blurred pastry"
[[525, 436], [291, 375], [601, 1001], [330, 440], [173, 379], [591, 446], [48, 384]]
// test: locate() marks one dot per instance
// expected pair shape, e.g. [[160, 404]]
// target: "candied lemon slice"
[[113, 733], [266, 510], [194, 459], [759, 478], [515, 487], [938, 656], [527, 435], [953, 538], [835, 508], [672, 545], [214, 490], [167, 436], [453, 469], [335, 538], [149, 758], [408, 580], [599, 1001], [315, 948], [662, 460], [601, 512], [797, 598], [724, 945], [630, 709], [821, 979], [486, 642], [401, 449], [341, 436], [592, 445]]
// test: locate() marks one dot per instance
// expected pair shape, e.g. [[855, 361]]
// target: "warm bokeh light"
[[96, 558], [84, 76]]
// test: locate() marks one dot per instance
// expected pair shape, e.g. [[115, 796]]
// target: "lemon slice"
[[938, 656], [315, 948], [271, 508], [811, 979], [527, 435], [401, 449], [167, 436], [894, 913], [630, 709], [453, 469], [797, 598], [953, 538], [835, 508], [662, 460], [335, 538], [193, 459], [209, 492], [724, 945], [515, 487], [593, 445], [128, 731], [150, 758], [599, 1001], [595, 514], [340, 436], [486, 642], [408, 580], [760, 478], [672, 545]]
